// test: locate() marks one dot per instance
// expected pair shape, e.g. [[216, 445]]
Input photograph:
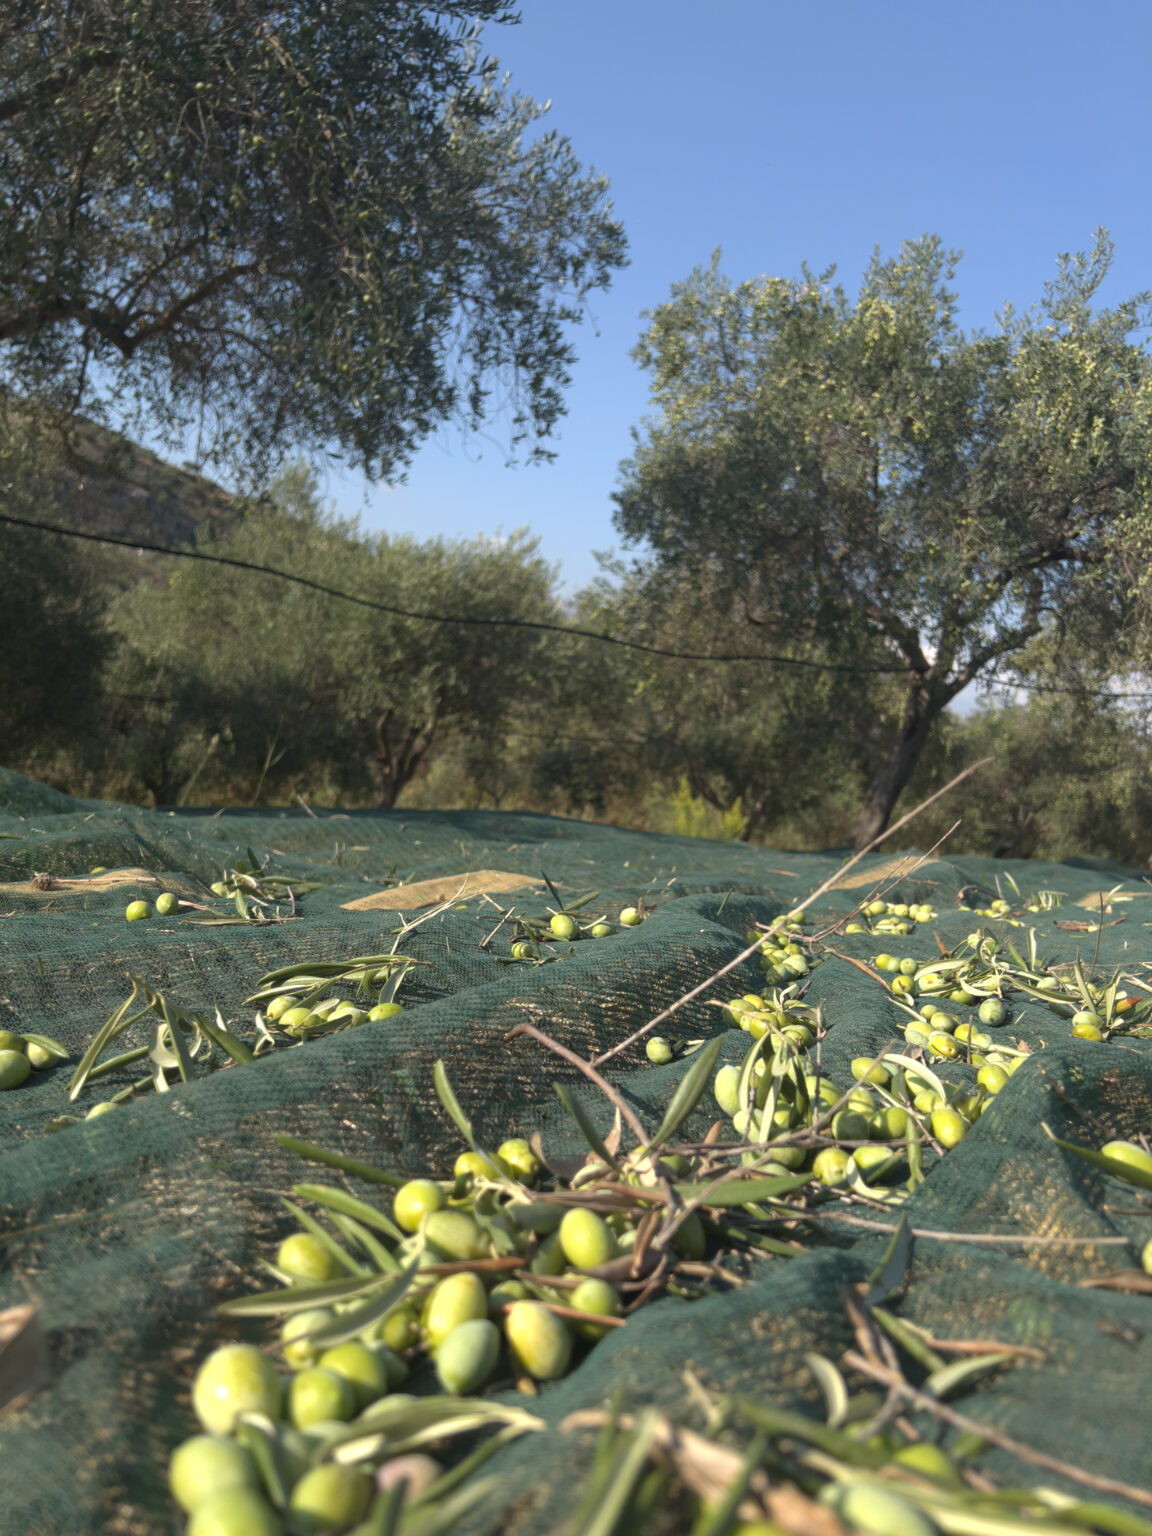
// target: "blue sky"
[[785, 133]]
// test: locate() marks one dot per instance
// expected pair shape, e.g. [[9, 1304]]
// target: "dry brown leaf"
[[888, 869], [426, 893], [1132, 1280], [80, 885]]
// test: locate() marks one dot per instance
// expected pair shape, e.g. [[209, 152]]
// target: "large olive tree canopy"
[[865, 475], [299, 224]]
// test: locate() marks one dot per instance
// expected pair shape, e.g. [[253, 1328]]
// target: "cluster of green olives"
[[485, 1279], [774, 1096], [897, 917], [21, 1055], [977, 975], [323, 1017], [565, 927], [167, 905], [782, 958]]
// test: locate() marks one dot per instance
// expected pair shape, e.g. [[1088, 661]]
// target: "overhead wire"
[[543, 625]]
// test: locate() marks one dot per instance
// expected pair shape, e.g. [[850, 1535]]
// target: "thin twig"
[[896, 1383], [752, 949], [973, 1237], [589, 1070]]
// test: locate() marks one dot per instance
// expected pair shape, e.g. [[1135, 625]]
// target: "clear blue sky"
[[786, 133]]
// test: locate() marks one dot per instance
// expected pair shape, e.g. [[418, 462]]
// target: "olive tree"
[[244, 684], [867, 475], [322, 224]]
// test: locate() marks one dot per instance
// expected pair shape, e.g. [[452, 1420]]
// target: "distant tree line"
[[203, 685]]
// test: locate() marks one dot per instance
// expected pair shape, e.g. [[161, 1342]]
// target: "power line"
[[432, 618], [526, 624]]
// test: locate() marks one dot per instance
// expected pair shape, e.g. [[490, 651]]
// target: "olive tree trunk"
[[924, 705]]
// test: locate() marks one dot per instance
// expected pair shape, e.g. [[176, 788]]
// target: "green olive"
[[889, 1123], [299, 1350], [12, 1042], [306, 1259], [596, 1296], [316, 1395], [415, 1200], [549, 1258], [279, 1006], [873, 1160], [689, 1240], [384, 1011], [992, 1078], [468, 1355], [519, 1160], [294, 1017], [456, 1299], [15, 1068], [1146, 1257], [1084, 1029], [602, 930], [863, 1069], [943, 1044], [138, 911], [538, 1339], [523, 950], [457, 1234], [929, 1461], [474, 1165], [361, 1367], [166, 904], [235, 1512], [235, 1379], [948, 1127], [876, 1511], [1128, 1153], [329, 1497], [400, 1328], [586, 1239], [851, 1125], [659, 1051], [992, 1012], [562, 926], [506, 1291], [206, 1465], [630, 917], [832, 1166]]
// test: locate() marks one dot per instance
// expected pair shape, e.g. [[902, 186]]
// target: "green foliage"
[[866, 475], [694, 817], [1071, 777], [259, 687], [52, 641], [324, 223]]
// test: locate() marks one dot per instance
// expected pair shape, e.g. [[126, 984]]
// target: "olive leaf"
[[1116, 1166], [889, 1274], [590, 1133], [348, 1205], [946, 1380], [350, 1165], [113, 1027], [376, 1304], [743, 1191], [298, 1298], [692, 1088], [324, 1238], [833, 1387]]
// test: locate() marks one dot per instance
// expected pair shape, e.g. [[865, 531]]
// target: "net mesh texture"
[[127, 1230]]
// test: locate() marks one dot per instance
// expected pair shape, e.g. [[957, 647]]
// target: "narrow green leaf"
[[946, 1380], [348, 1205], [325, 1239], [374, 1306], [1113, 1165], [631, 1465], [258, 1436], [447, 1097], [219, 1033], [174, 1021], [46, 1043], [889, 1274], [781, 1421], [744, 1191], [555, 894], [350, 1165], [909, 1338], [108, 1031], [356, 1232], [298, 1298], [719, 1519], [693, 1086], [917, 1069], [833, 1387], [590, 1133]]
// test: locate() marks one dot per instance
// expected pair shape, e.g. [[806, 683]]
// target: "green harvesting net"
[[126, 1230]]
